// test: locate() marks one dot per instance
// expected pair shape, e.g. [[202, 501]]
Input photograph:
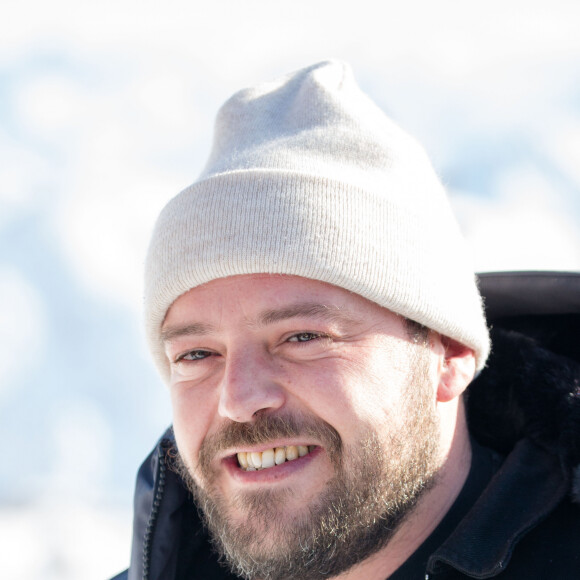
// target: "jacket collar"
[[527, 392], [159, 499], [528, 486]]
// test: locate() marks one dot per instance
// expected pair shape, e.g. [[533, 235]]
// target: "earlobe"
[[457, 369]]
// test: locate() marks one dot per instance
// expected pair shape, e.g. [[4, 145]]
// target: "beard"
[[376, 485]]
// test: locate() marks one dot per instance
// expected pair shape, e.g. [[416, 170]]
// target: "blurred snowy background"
[[106, 110]]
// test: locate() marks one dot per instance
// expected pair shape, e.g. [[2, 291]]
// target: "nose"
[[249, 385]]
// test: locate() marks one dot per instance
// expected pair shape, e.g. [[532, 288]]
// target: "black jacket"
[[525, 405]]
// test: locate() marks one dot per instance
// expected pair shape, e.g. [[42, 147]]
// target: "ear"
[[456, 370]]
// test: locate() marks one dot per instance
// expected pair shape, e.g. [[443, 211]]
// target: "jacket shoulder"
[[551, 549], [122, 576]]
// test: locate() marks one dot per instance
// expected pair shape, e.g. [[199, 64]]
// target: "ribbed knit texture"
[[307, 176]]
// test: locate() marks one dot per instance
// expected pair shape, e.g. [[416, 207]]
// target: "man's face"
[[267, 368]]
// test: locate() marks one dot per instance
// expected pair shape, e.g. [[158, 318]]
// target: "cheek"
[[376, 384], [336, 391], [193, 413]]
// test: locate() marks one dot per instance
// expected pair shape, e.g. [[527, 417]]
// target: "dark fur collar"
[[528, 391]]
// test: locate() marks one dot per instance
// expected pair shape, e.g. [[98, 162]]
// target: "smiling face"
[[305, 420]]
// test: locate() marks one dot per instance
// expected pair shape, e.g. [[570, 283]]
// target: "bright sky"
[[106, 110]]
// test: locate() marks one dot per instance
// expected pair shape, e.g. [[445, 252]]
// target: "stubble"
[[376, 484]]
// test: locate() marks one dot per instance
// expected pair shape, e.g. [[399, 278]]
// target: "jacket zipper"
[[149, 532]]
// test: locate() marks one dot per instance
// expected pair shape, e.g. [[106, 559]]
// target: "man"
[[310, 304]]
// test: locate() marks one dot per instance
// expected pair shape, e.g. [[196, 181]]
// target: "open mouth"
[[258, 460]]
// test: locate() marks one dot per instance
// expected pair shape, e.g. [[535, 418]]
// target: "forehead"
[[253, 296]]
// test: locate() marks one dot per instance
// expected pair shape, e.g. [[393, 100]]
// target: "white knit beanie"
[[308, 177]]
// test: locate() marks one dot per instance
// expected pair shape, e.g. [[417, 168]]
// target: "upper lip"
[[264, 447]]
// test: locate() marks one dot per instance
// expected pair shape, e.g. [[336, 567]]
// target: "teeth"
[[242, 460], [268, 458], [291, 452], [280, 455], [254, 460]]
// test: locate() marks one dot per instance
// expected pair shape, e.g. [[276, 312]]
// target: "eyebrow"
[[195, 329], [300, 309], [304, 309]]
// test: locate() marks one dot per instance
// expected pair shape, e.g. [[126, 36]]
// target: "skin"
[[247, 345]]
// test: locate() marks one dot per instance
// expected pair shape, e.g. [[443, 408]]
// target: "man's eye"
[[194, 355], [304, 337]]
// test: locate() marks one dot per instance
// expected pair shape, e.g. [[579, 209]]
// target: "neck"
[[430, 510]]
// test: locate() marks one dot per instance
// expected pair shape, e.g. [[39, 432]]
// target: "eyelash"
[[181, 357], [295, 338], [313, 335]]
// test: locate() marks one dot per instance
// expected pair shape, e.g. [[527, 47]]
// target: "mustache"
[[266, 428]]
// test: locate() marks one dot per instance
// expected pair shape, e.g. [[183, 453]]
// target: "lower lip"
[[270, 474]]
